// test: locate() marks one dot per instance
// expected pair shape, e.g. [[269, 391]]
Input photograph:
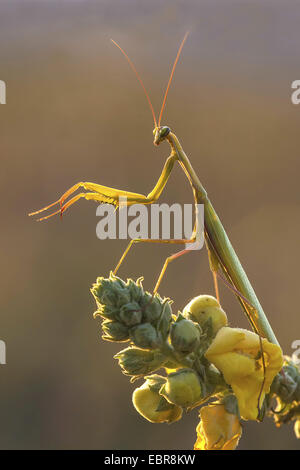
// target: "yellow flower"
[[237, 354], [218, 429]]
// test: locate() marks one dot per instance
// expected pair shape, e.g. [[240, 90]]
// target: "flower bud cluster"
[[130, 313]]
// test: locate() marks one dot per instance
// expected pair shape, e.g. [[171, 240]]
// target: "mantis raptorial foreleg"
[[109, 195], [118, 198]]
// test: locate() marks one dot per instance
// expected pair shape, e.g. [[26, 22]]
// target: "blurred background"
[[75, 112]]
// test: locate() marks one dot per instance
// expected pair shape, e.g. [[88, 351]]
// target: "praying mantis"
[[224, 262]]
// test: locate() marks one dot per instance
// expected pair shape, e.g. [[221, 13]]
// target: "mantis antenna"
[[142, 84], [139, 79], [171, 76]]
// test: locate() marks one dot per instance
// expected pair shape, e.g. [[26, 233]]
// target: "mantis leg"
[[149, 240], [168, 260], [109, 195]]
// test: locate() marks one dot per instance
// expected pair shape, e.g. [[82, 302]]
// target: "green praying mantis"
[[224, 262]]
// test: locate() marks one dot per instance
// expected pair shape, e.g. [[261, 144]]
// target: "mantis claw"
[[44, 208]]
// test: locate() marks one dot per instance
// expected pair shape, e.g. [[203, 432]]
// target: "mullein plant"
[[195, 360]]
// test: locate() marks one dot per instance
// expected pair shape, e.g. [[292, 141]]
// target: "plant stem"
[[169, 352]]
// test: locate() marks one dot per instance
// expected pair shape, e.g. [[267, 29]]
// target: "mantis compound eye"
[[164, 131]]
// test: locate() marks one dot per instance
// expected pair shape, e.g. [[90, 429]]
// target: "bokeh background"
[[75, 112]]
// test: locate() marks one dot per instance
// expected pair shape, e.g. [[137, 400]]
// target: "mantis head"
[[160, 133]]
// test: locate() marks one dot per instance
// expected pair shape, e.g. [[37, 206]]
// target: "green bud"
[[289, 381], [112, 291], [204, 300], [114, 331], [135, 289], [151, 307], [285, 386], [131, 314], [145, 336], [205, 308], [185, 335], [292, 371], [182, 388], [107, 312], [165, 319], [154, 407], [136, 361]]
